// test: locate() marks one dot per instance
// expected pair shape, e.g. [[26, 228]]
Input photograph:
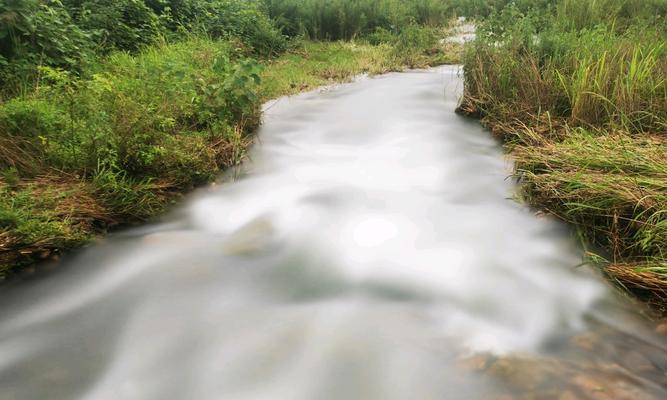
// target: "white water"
[[371, 246]]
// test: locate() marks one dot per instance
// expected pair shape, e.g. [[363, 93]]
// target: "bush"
[[347, 19], [240, 19], [68, 34], [33, 33], [578, 15], [119, 143], [125, 25], [155, 115], [414, 44]]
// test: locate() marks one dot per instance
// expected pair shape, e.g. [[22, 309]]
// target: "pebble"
[[661, 329], [568, 395], [585, 342]]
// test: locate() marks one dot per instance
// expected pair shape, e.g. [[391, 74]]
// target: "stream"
[[370, 248]]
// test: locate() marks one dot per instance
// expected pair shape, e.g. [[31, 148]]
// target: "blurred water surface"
[[370, 250]]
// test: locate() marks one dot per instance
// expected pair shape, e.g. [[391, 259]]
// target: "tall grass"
[[621, 14], [580, 93], [347, 19], [592, 77]]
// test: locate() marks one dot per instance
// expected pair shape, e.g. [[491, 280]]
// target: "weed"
[[579, 94]]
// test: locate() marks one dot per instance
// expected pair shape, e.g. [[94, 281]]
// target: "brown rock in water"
[[638, 363], [525, 375], [568, 395], [585, 341], [478, 362], [608, 384], [546, 378], [592, 387], [661, 329]]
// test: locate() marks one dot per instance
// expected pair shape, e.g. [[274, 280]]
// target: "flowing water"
[[370, 249]]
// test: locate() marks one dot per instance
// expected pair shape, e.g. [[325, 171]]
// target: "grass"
[[119, 144], [347, 20], [313, 64], [122, 143], [614, 187], [579, 95]]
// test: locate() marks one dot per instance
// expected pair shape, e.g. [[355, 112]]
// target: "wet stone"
[[478, 362], [568, 395], [638, 363], [592, 388], [585, 341], [661, 329]]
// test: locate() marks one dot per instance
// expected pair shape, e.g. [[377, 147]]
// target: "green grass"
[[614, 188], [579, 94], [352, 19], [111, 111], [119, 145], [312, 64]]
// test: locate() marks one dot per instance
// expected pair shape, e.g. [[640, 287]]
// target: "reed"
[[347, 19], [579, 94]]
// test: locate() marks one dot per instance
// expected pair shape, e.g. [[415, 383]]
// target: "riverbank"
[[67, 188], [578, 94]]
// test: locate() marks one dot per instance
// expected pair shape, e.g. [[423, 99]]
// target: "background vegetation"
[[345, 19], [578, 89]]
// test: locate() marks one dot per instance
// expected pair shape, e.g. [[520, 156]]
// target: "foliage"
[[579, 92], [594, 76], [34, 32], [148, 115], [110, 110], [69, 34], [346, 19], [415, 44], [241, 19], [81, 154], [116, 25]]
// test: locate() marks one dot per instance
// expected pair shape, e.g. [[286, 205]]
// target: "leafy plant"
[[33, 33]]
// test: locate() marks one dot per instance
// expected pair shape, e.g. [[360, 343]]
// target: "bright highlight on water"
[[371, 249]]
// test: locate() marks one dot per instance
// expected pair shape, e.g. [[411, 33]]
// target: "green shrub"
[[37, 32], [481, 9], [155, 115], [68, 34], [117, 25], [347, 19], [414, 44], [577, 14], [241, 19], [31, 118]]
